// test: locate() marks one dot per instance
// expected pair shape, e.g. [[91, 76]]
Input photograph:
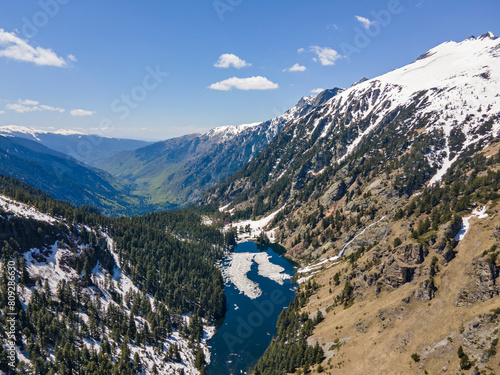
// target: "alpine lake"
[[254, 302]]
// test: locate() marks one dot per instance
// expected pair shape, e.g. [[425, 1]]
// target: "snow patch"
[[253, 228], [205, 220], [480, 213], [23, 210]]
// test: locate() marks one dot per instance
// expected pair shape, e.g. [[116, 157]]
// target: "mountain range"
[[89, 149], [121, 176], [386, 193]]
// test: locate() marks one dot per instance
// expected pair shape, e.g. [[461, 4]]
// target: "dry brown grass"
[[428, 329]]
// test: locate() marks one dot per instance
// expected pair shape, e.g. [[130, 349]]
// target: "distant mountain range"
[[86, 148], [135, 176], [180, 170]]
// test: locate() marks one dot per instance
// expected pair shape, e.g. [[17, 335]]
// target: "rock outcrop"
[[482, 285]]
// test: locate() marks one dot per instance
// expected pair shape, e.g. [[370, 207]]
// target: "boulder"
[[334, 193]]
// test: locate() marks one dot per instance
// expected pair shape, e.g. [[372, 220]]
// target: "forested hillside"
[[65, 178], [98, 295]]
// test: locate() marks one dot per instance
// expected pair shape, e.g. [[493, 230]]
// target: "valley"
[[357, 233]]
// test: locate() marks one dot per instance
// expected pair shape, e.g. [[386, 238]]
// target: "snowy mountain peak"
[[489, 34], [459, 83], [13, 130], [230, 131], [306, 100], [450, 96]]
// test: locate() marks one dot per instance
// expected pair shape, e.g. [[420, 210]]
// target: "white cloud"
[[19, 108], [252, 83], [365, 22], [300, 50], [15, 48], [49, 108], [81, 112], [72, 58], [28, 102], [326, 55], [228, 59], [2, 112], [28, 105], [317, 91], [295, 68]]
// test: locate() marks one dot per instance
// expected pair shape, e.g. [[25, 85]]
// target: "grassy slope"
[[417, 327], [396, 329]]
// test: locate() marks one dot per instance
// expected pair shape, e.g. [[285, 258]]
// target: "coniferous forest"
[[170, 257]]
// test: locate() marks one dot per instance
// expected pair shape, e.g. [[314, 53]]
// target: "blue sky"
[[146, 69]]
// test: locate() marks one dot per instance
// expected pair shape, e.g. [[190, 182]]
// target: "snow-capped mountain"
[[457, 85], [180, 170], [15, 130], [229, 131], [439, 106], [84, 147]]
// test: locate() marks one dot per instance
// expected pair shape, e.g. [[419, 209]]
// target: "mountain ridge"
[[387, 194], [84, 147], [332, 132], [179, 170]]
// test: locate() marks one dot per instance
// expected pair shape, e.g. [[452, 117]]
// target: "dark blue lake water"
[[249, 324]]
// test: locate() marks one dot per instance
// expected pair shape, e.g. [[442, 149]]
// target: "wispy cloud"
[[15, 48], [27, 102], [2, 112], [317, 91], [300, 50], [251, 83], [81, 112], [27, 105], [295, 68], [325, 55], [365, 22], [228, 59]]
